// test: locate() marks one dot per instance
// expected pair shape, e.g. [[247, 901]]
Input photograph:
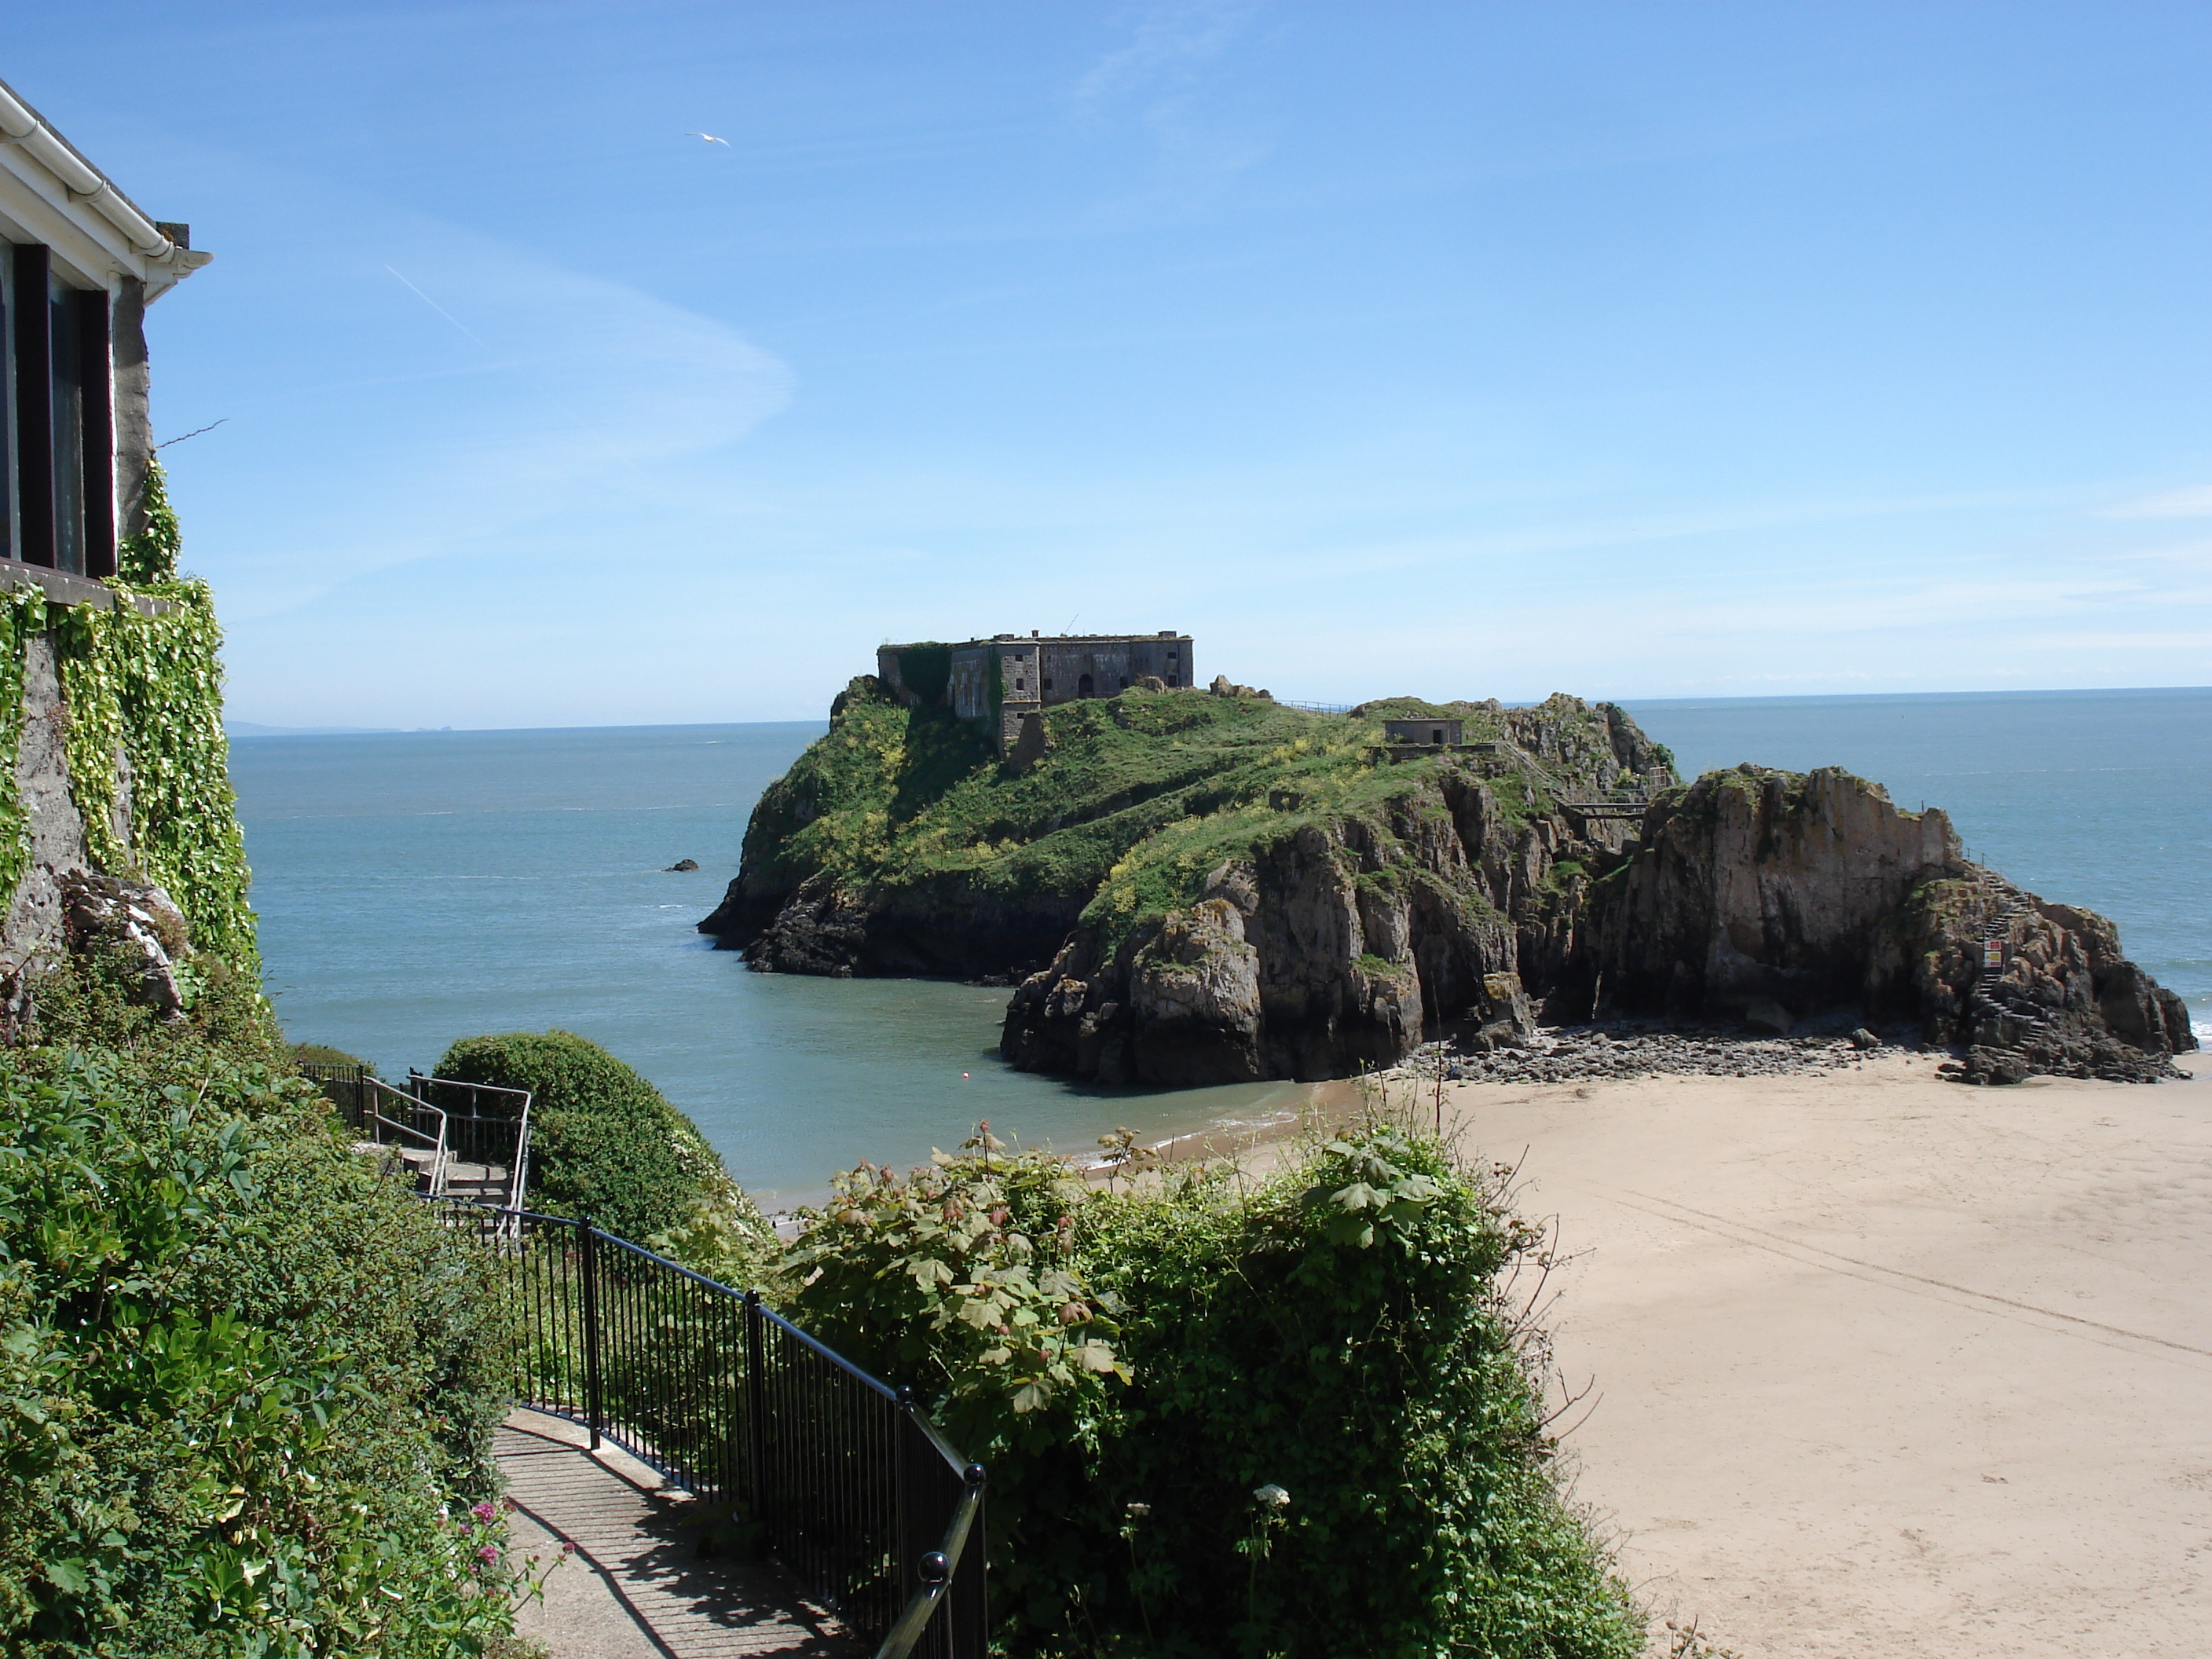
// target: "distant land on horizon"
[[256, 729], [253, 729]]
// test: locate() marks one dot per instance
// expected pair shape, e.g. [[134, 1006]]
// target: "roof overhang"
[[50, 193]]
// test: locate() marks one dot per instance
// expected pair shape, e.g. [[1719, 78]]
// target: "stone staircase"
[[485, 1182], [1628, 801], [1992, 997]]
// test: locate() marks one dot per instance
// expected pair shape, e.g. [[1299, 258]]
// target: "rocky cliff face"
[[1336, 940], [1752, 886], [1770, 895], [1750, 895], [1195, 890]]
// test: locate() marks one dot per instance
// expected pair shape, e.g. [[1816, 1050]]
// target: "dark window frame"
[[61, 417], [31, 335]]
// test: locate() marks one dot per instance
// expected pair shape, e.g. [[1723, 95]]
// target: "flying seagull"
[[709, 137]]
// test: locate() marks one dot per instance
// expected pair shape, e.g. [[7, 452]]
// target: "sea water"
[[414, 888]]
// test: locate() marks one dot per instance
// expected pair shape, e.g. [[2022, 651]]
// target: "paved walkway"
[[636, 1588]]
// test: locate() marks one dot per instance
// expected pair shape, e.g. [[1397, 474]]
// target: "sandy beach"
[[1884, 1364]]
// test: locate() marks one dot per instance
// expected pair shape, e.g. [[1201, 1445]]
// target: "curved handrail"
[[518, 1181], [436, 1187], [937, 1565], [518, 1172]]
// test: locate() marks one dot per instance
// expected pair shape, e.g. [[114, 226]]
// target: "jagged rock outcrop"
[[138, 924], [1332, 948], [1755, 896], [1754, 887], [1769, 895], [2030, 987], [133, 926]]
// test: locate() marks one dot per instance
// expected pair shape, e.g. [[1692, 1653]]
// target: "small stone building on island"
[[1423, 732], [1004, 677]]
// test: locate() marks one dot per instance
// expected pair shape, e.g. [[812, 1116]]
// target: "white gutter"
[[21, 124]]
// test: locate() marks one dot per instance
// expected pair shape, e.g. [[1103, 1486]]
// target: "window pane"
[[68, 436]]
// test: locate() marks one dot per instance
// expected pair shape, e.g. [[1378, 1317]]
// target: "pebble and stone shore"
[[1621, 1050], [1617, 1051]]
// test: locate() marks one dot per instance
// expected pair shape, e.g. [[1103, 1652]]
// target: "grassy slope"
[[1143, 795]]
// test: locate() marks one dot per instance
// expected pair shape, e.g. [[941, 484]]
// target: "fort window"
[[1435, 734], [1125, 682], [1171, 679], [1048, 685]]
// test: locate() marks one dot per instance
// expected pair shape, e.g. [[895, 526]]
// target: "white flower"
[[1270, 1497]]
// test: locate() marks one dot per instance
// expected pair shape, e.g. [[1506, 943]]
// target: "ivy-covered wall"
[[141, 713]]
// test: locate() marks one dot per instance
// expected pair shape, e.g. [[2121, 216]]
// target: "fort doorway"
[[1083, 688]]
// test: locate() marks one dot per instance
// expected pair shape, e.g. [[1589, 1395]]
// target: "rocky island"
[[1187, 887]]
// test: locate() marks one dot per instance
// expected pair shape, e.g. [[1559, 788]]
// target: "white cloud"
[[2195, 503], [1163, 76]]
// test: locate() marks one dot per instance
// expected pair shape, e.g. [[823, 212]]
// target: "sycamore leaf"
[[1096, 1357]]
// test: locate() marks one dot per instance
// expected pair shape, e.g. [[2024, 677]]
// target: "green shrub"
[[321, 1054], [604, 1143], [86, 1001], [244, 1384], [1136, 1368]]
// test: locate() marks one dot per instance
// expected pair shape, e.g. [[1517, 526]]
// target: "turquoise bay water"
[[418, 887]]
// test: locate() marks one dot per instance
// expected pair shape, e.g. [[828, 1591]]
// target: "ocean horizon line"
[[256, 730]]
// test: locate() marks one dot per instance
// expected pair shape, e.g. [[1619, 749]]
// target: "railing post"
[[587, 1249], [968, 1620], [757, 1499], [911, 1497]]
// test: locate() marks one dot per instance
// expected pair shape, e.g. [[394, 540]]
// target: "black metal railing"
[[843, 1478], [343, 1086]]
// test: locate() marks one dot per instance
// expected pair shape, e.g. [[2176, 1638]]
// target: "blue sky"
[[1635, 350]]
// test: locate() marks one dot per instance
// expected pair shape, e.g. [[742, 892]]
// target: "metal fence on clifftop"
[[842, 1477]]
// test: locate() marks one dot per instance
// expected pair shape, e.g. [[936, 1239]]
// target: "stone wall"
[[33, 926]]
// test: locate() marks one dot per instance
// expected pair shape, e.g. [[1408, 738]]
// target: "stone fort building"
[[1001, 679]]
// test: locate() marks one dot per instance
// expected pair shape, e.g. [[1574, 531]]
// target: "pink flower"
[[489, 1552], [484, 1511], [568, 1548]]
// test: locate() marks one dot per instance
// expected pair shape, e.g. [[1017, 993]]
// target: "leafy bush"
[[604, 1143], [87, 1000], [243, 1383], [321, 1054], [1293, 1421]]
